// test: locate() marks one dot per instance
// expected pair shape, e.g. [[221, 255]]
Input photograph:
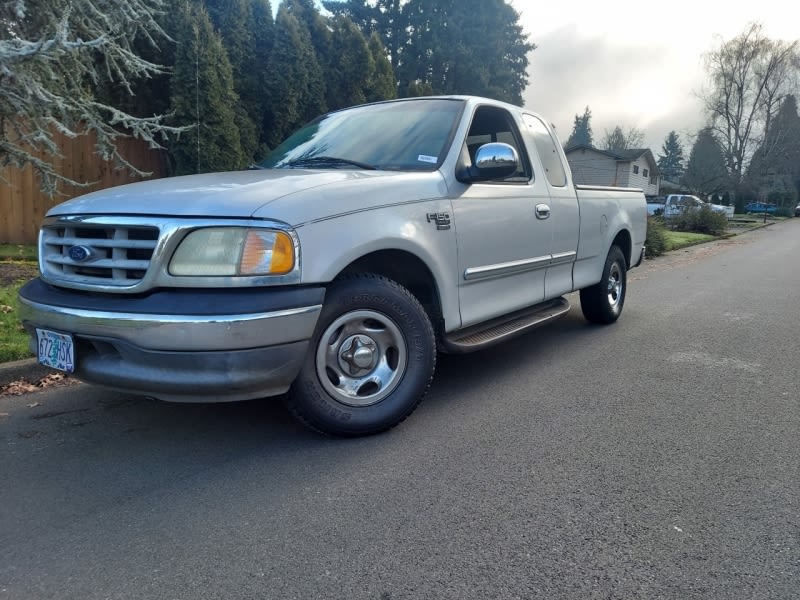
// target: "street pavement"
[[655, 458]]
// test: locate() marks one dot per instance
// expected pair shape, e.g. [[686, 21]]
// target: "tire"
[[602, 303], [370, 361]]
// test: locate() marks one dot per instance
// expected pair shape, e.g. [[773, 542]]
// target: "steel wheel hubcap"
[[361, 357], [614, 286]]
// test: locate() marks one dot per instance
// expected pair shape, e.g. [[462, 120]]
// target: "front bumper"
[[181, 345]]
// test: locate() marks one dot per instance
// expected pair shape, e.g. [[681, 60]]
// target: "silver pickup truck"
[[371, 239]]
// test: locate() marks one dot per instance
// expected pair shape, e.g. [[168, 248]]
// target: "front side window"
[[635, 169], [644, 173], [409, 135], [493, 124]]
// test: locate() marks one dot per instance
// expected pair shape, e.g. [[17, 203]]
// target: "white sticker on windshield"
[[427, 159]]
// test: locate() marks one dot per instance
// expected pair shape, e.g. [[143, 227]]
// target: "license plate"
[[56, 350]]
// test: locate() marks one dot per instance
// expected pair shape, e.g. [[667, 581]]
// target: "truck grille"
[[97, 254]]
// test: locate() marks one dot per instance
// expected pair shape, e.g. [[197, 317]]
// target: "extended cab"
[[369, 240]]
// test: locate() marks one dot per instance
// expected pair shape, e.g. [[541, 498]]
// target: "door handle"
[[542, 211]]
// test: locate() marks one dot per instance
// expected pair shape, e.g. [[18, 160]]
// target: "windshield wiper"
[[327, 161]]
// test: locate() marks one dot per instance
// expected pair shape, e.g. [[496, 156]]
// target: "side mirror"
[[492, 161]]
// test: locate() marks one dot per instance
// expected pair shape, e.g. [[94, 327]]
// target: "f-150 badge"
[[442, 220]]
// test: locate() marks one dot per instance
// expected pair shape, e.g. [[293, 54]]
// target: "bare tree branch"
[[748, 76]]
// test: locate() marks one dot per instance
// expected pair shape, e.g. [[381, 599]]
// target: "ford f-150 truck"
[[371, 239]]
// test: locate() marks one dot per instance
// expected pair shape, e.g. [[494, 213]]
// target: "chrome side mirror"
[[492, 161]]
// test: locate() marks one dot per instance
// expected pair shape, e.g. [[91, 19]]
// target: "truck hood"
[[304, 194]]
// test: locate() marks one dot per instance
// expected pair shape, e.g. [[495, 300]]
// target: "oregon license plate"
[[56, 350]]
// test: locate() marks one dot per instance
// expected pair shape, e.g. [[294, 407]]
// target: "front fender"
[[422, 229]]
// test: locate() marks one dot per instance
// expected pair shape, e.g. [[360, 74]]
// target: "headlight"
[[232, 251]]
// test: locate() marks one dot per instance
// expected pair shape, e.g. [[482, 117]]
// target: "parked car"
[[760, 208], [797, 211], [676, 204], [655, 205]]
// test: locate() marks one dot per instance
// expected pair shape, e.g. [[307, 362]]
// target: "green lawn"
[[682, 239], [17, 252], [13, 339], [17, 265]]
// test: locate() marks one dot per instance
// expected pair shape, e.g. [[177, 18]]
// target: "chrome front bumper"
[[207, 355]]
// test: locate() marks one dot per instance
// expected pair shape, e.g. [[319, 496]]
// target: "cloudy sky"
[[634, 64]]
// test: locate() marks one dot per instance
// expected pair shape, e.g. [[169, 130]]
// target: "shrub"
[[656, 236], [702, 220]]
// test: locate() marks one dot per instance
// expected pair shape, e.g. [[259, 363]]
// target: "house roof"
[[629, 155]]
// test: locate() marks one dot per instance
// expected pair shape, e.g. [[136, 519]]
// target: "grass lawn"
[[13, 339], [17, 265], [17, 252], [682, 239]]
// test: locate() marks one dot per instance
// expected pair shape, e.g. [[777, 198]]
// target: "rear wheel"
[[602, 303], [370, 361]]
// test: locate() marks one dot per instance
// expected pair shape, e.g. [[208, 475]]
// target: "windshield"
[[412, 135]]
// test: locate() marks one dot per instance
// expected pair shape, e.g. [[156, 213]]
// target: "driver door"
[[504, 234]]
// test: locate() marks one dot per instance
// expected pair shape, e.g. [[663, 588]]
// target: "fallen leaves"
[[23, 386]]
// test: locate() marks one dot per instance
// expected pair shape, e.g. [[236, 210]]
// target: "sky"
[[634, 64]]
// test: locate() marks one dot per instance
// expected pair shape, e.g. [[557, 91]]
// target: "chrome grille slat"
[[130, 244], [107, 263], [120, 255]]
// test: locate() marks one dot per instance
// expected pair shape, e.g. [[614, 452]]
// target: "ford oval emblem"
[[79, 253]]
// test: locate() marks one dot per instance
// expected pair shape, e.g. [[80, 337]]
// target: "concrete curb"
[[28, 369]]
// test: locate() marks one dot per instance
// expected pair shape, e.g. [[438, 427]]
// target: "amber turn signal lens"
[[282, 254], [267, 253]]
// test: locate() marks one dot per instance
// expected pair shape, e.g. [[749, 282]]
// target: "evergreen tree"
[[203, 98], [466, 47], [706, 172], [383, 17], [382, 84], [416, 89], [245, 27], [318, 28], [775, 166], [582, 130], [263, 26], [351, 65], [670, 162], [293, 79]]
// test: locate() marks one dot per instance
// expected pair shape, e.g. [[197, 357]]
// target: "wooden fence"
[[23, 205]]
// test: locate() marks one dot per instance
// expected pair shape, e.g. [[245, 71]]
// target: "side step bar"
[[502, 328]]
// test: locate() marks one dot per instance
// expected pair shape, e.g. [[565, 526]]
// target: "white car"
[[676, 204]]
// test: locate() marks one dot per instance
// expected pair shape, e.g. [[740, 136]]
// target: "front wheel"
[[370, 361], [602, 303]]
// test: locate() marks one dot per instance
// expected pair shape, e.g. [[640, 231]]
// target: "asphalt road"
[[656, 458]]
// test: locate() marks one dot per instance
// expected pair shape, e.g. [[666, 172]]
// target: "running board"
[[502, 328]]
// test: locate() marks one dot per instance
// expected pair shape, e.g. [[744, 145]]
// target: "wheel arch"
[[624, 242], [408, 270]]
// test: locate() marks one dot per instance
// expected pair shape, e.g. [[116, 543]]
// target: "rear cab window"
[[547, 148]]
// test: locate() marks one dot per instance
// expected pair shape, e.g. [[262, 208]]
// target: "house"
[[624, 168]]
